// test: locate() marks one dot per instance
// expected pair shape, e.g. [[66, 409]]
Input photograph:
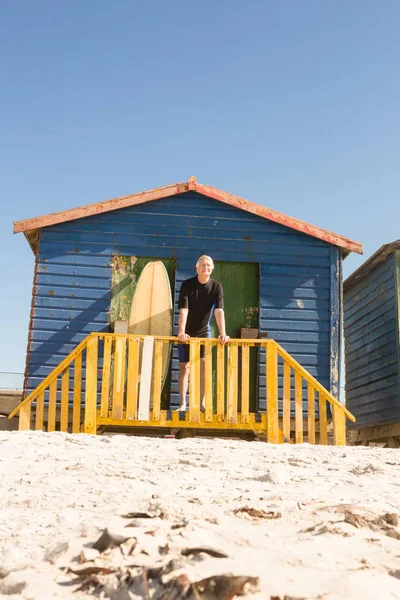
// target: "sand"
[[299, 521]]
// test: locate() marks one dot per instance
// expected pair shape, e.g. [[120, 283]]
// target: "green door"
[[241, 283]]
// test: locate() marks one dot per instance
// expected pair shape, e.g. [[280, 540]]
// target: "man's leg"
[[184, 369]]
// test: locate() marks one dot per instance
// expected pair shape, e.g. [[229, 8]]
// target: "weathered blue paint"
[[73, 281], [372, 344]]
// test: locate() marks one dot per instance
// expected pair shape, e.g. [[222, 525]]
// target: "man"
[[198, 298]]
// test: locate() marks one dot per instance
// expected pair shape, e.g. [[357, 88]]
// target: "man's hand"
[[224, 339], [183, 337]]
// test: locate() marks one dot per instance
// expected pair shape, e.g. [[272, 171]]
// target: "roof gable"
[[31, 227], [373, 261]]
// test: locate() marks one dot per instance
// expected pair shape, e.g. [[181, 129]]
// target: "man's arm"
[[220, 318], [183, 315]]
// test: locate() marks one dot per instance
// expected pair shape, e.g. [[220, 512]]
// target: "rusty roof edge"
[[278, 217], [179, 188], [373, 261], [98, 207]]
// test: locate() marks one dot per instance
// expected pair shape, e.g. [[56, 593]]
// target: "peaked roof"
[[31, 227], [373, 261]]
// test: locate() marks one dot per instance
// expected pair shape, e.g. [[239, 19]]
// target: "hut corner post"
[[335, 325], [397, 288]]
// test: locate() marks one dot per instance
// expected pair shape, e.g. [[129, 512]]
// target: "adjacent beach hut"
[[372, 346], [281, 276]]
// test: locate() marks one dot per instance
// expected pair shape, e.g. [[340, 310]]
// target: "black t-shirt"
[[201, 299]]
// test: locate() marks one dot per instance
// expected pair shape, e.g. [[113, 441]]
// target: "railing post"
[[245, 383], [311, 414], [220, 383], [91, 385], [208, 417], [76, 412], [323, 422], [232, 384], [272, 392], [25, 417], [119, 378], [339, 426], [146, 378], [157, 383], [105, 376], [39, 412], [133, 379], [52, 410], [298, 408], [286, 401], [194, 382], [64, 400]]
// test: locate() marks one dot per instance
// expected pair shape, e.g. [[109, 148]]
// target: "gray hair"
[[203, 258]]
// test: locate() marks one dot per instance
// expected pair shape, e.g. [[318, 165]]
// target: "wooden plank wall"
[[371, 347]]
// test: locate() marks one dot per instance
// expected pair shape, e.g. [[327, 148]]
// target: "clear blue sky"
[[294, 105]]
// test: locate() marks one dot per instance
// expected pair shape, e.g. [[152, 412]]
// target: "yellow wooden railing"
[[125, 390], [54, 391]]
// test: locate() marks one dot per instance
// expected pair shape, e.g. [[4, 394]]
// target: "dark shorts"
[[184, 350]]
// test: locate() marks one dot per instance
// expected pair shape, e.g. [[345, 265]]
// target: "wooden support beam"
[[379, 432]]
